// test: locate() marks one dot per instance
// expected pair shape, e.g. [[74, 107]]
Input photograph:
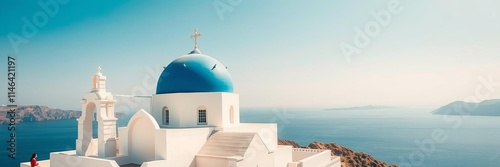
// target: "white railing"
[[307, 150], [59, 159], [40, 163]]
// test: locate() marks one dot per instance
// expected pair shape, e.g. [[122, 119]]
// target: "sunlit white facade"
[[194, 122]]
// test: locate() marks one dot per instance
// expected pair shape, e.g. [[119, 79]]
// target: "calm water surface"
[[389, 135]]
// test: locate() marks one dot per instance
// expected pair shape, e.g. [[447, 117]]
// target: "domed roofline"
[[194, 72]]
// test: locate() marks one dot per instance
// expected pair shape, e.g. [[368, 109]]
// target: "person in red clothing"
[[33, 160]]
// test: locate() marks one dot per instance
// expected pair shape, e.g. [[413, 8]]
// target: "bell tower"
[[101, 101], [98, 81]]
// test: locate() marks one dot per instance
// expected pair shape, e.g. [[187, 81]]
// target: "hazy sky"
[[279, 53]]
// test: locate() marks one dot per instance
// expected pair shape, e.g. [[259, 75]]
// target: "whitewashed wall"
[[183, 108]]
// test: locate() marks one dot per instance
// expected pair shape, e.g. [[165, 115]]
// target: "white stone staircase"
[[227, 144]]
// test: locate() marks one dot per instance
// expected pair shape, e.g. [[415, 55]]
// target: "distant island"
[[484, 108], [348, 157], [35, 113], [367, 107]]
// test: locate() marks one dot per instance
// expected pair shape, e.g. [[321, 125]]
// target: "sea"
[[402, 136]]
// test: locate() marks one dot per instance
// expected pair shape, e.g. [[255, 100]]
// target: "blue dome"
[[194, 73]]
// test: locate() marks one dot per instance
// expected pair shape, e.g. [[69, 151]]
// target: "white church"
[[194, 122]]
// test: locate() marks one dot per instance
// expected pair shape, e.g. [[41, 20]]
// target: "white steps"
[[227, 144]]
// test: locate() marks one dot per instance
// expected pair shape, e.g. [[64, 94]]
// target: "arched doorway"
[[85, 129], [141, 136]]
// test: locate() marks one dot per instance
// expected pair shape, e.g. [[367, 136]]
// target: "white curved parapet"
[[44, 163]]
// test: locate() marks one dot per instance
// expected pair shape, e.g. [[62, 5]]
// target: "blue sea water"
[[390, 135]]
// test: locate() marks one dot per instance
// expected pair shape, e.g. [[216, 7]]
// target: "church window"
[[166, 116], [202, 116]]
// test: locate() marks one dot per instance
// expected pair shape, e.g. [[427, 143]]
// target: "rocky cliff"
[[33, 113], [348, 157]]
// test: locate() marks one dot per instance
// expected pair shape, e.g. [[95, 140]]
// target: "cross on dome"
[[195, 36]]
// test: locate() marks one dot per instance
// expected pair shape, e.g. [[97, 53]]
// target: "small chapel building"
[[194, 122]]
